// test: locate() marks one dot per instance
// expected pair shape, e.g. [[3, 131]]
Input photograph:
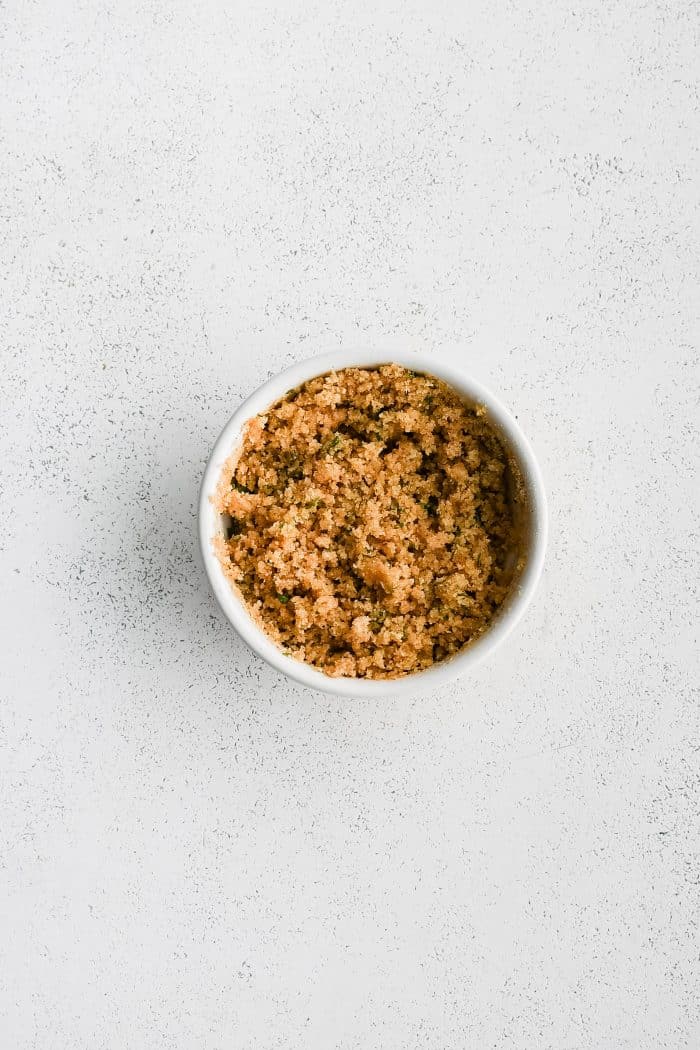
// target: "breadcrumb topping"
[[371, 522]]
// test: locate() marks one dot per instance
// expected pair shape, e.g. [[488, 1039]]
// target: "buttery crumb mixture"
[[370, 522]]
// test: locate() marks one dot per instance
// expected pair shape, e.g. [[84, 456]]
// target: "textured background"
[[193, 852]]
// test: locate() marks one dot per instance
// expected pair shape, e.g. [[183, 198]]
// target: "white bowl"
[[210, 525]]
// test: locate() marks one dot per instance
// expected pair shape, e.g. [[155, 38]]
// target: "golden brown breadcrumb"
[[371, 528]]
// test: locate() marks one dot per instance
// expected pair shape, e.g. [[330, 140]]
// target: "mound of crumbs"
[[371, 524]]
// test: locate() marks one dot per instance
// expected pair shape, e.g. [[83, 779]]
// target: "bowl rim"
[[232, 604]]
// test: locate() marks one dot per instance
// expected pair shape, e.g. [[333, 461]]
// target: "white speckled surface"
[[193, 852]]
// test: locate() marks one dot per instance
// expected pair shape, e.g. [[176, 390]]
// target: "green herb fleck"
[[396, 510], [293, 467], [283, 598], [332, 444]]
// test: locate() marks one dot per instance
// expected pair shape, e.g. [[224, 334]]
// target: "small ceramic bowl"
[[210, 525]]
